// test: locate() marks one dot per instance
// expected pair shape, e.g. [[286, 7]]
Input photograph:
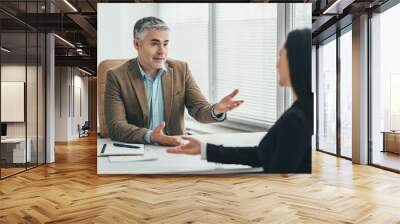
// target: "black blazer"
[[286, 148]]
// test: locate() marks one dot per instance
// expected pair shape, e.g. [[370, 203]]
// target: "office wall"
[[16, 72], [115, 35], [12, 98], [71, 102], [61, 103], [9, 73], [80, 104]]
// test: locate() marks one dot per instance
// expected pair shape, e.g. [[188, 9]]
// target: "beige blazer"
[[125, 101]]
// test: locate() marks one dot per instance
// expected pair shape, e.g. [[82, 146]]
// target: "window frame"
[[371, 14], [334, 37]]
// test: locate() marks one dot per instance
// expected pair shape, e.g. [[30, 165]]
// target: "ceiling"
[[76, 22]]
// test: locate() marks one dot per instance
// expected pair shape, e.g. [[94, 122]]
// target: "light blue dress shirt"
[[155, 102]]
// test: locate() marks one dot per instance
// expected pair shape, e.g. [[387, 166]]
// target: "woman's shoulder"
[[294, 117]]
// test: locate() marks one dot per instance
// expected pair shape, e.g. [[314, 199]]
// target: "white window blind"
[[301, 15], [245, 49], [189, 37]]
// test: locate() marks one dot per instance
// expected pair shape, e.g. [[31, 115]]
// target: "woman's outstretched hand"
[[192, 147]]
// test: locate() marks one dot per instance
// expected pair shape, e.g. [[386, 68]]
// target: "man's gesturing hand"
[[227, 103], [157, 136]]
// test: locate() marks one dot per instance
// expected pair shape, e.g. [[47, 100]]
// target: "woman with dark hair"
[[286, 148]]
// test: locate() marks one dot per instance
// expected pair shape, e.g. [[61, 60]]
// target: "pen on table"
[[104, 148], [126, 146]]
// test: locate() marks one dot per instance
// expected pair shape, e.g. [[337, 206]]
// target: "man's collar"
[[162, 70]]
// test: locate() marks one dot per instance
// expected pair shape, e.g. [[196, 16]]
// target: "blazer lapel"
[[138, 85], [168, 90]]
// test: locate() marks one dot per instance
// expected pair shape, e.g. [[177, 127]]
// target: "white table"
[[181, 164], [18, 150]]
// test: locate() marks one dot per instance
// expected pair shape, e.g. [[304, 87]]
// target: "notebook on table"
[[122, 149]]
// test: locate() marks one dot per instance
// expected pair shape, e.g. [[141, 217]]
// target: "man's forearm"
[[218, 117], [127, 133], [147, 137]]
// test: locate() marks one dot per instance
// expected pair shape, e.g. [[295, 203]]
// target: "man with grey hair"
[[145, 98]]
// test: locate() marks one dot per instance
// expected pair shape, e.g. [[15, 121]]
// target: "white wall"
[[67, 115], [79, 117], [115, 28], [61, 103], [12, 73]]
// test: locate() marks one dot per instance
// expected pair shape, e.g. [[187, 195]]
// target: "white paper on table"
[[148, 156]]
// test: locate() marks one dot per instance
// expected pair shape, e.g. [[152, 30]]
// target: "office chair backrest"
[[86, 125], [104, 66]]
